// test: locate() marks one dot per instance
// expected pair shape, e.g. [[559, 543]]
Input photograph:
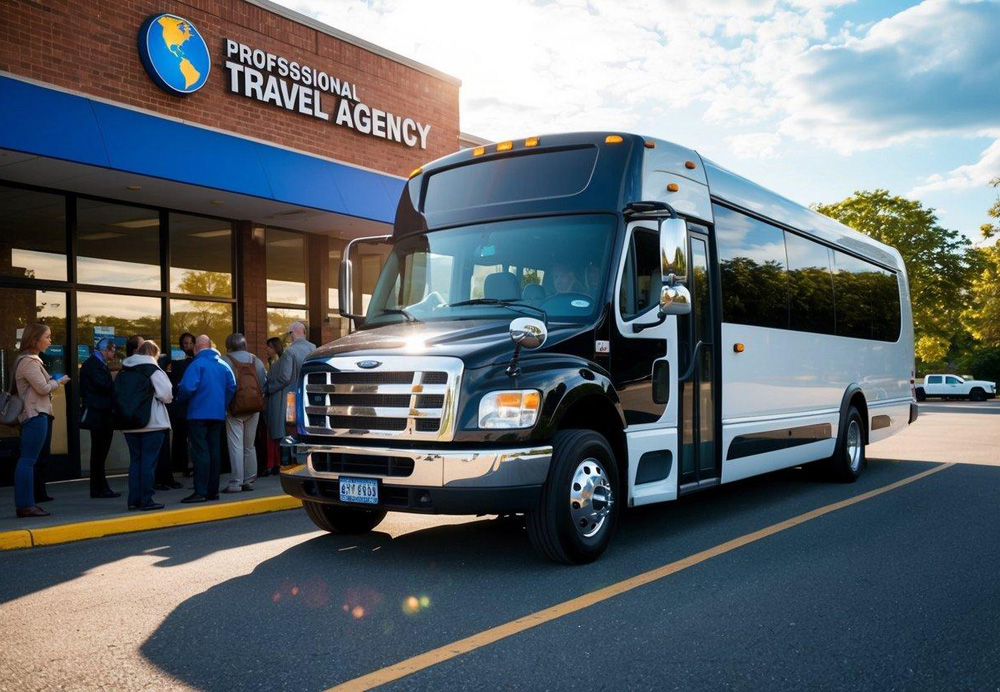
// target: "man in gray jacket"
[[284, 377]]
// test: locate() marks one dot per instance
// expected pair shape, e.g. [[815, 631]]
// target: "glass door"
[[698, 427]]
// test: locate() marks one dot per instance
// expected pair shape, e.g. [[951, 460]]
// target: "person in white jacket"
[[144, 443]]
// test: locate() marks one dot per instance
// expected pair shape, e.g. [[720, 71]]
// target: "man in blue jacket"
[[208, 386]]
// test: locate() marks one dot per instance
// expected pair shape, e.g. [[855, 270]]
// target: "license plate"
[[363, 490]]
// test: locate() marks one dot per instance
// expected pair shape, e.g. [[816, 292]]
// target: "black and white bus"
[[570, 325]]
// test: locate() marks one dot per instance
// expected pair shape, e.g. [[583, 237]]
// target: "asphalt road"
[[899, 591]]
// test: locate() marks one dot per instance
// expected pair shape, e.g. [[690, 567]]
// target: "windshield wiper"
[[509, 303], [400, 311]]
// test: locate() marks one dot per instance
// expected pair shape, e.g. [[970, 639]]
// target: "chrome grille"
[[405, 397]]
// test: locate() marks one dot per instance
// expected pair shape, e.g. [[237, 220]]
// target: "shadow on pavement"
[[34, 569], [335, 607]]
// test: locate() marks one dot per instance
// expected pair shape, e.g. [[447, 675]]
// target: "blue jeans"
[[144, 450], [34, 435]]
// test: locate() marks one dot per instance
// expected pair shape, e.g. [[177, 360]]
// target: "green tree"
[[983, 314], [939, 262]]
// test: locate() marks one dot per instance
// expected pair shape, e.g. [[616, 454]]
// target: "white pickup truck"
[[955, 387]]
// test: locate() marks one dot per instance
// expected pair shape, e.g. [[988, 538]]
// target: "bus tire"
[[921, 396], [581, 502], [848, 459], [977, 394], [344, 520]]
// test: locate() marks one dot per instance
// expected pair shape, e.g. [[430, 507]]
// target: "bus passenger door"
[[698, 424]]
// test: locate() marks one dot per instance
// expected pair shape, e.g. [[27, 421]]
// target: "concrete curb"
[[143, 521]]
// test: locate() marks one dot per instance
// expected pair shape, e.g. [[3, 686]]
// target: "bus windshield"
[[555, 264]]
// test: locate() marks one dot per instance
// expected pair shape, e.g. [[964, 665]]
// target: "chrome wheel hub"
[[854, 445], [590, 498]]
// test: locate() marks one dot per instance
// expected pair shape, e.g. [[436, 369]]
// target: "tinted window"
[[641, 282], [951, 380], [529, 176], [853, 282], [934, 379], [810, 285], [885, 306], [752, 265]]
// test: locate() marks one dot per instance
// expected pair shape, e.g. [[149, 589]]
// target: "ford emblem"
[[368, 364]]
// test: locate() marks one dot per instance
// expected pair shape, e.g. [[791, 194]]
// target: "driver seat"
[[502, 286]]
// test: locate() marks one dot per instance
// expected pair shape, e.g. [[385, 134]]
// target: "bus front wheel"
[[346, 520], [581, 501]]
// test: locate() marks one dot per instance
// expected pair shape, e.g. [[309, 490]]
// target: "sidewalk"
[[75, 516]]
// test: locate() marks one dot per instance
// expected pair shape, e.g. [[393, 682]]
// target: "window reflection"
[[118, 316], [32, 234], [118, 245], [201, 317], [286, 267], [201, 256]]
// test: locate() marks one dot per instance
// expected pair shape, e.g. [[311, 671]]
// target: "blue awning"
[[45, 122]]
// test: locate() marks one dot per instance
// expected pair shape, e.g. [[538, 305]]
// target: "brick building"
[[193, 165]]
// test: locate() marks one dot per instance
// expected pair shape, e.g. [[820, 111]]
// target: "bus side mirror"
[[675, 299], [345, 297]]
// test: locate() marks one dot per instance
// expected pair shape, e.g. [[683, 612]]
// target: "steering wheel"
[[565, 302]]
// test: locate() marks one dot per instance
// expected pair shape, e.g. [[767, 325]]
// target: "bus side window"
[[641, 280]]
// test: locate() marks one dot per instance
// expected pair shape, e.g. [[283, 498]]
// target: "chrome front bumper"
[[436, 468]]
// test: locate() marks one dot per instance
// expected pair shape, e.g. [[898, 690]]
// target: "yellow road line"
[[144, 521], [495, 634]]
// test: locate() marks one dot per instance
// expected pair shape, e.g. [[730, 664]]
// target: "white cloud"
[[978, 174], [754, 145]]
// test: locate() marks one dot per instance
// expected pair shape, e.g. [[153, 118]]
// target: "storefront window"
[[286, 267], [201, 256], [278, 320], [200, 317], [336, 255], [18, 307], [32, 234], [117, 316], [118, 245]]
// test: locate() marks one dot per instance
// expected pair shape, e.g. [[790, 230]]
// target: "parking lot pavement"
[[893, 588], [961, 431]]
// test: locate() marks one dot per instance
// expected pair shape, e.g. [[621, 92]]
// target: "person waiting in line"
[[178, 409], [96, 389], [208, 386], [132, 344], [35, 387], [243, 412], [141, 393], [283, 379], [274, 348]]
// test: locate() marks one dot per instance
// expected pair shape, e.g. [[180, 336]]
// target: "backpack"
[[132, 400], [248, 398]]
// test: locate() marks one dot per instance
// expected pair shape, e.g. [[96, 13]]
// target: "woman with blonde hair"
[[142, 391], [35, 387]]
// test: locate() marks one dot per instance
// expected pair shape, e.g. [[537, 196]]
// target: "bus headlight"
[[510, 409]]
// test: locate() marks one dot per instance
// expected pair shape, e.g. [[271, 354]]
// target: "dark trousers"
[[179, 445], [163, 461], [144, 449], [205, 440], [100, 444]]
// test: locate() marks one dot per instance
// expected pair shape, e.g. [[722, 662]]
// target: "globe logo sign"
[[174, 54]]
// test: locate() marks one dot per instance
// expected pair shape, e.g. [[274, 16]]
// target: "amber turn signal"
[[613, 139], [738, 348], [673, 187], [689, 165], [505, 146]]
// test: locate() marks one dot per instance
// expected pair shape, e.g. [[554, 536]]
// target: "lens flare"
[[358, 612], [411, 605]]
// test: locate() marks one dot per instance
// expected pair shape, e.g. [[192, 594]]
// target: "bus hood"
[[477, 342]]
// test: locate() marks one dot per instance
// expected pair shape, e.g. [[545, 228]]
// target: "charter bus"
[[570, 325]]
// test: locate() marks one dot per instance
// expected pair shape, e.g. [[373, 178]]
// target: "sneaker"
[[232, 488], [247, 487]]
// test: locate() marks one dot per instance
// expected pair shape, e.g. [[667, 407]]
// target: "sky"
[[812, 98]]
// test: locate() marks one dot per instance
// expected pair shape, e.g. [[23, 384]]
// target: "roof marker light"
[[505, 146], [613, 139], [673, 187], [650, 144], [416, 171], [689, 165], [479, 151], [531, 142]]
